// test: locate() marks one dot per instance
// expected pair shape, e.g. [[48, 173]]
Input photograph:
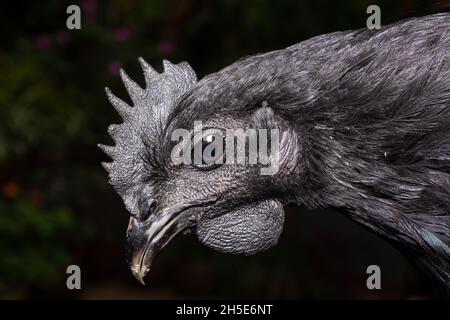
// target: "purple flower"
[[114, 67], [62, 36], [167, 47], [42, 42], [122, 34], [89, 7]]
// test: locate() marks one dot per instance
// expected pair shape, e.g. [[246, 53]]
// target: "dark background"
[[56, 208]]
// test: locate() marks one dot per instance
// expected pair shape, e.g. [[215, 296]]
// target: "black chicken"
[[364, 118]]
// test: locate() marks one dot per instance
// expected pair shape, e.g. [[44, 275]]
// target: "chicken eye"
[[208, 152]]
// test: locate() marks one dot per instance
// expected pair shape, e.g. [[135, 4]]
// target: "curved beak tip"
[[140, 278], [139, 275], [147, 238]]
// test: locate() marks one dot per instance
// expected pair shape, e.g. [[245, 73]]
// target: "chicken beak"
[[147, 238]]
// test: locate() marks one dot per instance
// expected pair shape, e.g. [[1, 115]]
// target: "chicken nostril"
[[148, 209], [152, 207]]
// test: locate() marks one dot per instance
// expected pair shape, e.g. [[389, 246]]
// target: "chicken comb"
[[142, 123]]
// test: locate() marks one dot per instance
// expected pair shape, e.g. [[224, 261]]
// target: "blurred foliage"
[[31, 237], [55, 205]]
